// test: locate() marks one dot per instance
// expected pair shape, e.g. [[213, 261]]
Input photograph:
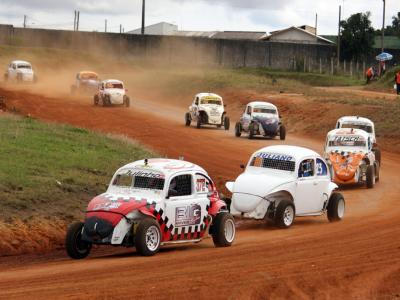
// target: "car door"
[[307, 194], [323, 179], [246, 118], [184, 207]]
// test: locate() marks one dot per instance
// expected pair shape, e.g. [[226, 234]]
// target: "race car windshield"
[[110, 85], [88, 76], [366, 128], [264, 110], [211, 101], [149, 181], [273, 161], [347, 141], [24, 67]]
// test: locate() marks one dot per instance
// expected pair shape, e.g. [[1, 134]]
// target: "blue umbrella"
[[384, 56]]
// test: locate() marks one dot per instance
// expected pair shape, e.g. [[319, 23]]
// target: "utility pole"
[[316, 24], [383, 25], [24, 21], [120, 28], [338, 37], [74, 20], [105, 25], [77, 20], [143, 14]]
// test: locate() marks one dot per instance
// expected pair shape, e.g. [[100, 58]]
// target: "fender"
[[144, 210], [216, 206]]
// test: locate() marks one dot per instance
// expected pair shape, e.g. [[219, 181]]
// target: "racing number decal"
[[201, 185]]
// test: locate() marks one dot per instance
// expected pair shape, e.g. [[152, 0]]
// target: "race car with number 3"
[[150, 203], [283, 182]]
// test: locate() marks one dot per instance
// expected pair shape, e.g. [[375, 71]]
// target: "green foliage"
[[54, 170], [357, 38]]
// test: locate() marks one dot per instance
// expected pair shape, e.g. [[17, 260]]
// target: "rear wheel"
[[148, 237], [336, 207], [198, 123], [282, 132], [227, 123], [96, 100], [251, 131], [238, 129], [284, 214], [76, 248], [370, 177], [187, 119], [223, 230]]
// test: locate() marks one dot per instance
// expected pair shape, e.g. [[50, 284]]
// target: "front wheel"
[[187, 119], [96, 100], [370, 177], [284, 214], [336, 207], [148, 237], [127, 101], [227, 123], [76, 248], [251, 131], [238, 129], [377, 155], [198, 124], [5, 77], [223, 230]]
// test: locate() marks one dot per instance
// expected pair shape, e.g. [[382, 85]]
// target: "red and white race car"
[[150, 203]]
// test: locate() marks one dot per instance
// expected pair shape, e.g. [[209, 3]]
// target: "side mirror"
[[242, 166]]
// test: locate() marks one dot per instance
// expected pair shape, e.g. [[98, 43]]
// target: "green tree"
[[357, 38], [396, 24]]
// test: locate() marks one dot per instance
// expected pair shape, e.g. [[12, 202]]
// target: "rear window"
[[274, 161], [264, 110], [214, 101], [110, 85], [347, 141], [24, 67]]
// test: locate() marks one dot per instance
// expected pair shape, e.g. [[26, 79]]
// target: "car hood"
[[115, 92], [249, 189], [25, 71], [345, 165]]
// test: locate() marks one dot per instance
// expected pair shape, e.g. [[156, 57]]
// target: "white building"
[[302, 35], [162, 28]]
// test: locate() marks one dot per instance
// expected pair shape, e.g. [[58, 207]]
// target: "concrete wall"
[[173, 49]]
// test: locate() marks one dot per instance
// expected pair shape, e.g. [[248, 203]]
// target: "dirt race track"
[[356, 258]]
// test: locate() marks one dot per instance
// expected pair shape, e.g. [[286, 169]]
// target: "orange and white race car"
[[349, 154]]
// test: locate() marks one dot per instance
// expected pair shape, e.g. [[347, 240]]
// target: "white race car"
[[111, 92], [350, 157], [365, 124], [207, 109], [85, 82], [260, 118], [281, 182], [20, 71], [150, 203]]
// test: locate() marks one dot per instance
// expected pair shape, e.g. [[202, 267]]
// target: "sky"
[[199, 15]]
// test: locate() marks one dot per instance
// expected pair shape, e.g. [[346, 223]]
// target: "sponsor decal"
[[188, 215], [107, 205], [145, 174], [347, 139], [201, 185], [275, 156]]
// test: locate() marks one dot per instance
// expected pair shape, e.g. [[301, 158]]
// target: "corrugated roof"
[[278, 32], [239, 35]]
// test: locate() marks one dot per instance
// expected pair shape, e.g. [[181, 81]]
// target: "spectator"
[[397, 81]]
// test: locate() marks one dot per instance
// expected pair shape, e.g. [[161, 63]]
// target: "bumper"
[[100, 231], [117, 100], [271, 129]]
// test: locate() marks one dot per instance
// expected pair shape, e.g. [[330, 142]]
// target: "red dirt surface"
[[356, 258]]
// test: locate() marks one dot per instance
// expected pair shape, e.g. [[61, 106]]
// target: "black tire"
[[377, 155], [370, 174], [142, 237], [198, 123], [377, 171], [96, 100], [223, 230], [282, 218], [127, 101], [105, 100], [19, 78], [251, 131], [187, 119], [76, 248], [336, 207], [227, 123], [238, 129], [282, 132]]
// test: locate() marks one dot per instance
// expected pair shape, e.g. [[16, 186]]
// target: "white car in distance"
[[111, 92], [20, 71], [283, 182]]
